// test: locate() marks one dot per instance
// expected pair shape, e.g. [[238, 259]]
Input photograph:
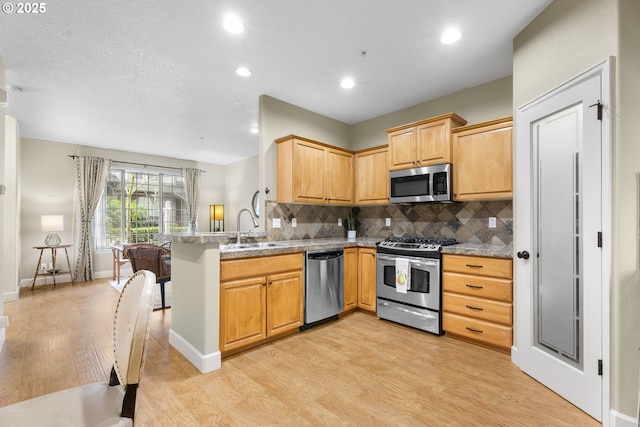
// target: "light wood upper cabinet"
[[372, 176], [260, 298], [483, 161], [313, 172], [427, 142]]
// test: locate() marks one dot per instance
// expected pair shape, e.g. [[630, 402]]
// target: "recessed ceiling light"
[[347, 83], [243, 71], [233, 24], [254, 129], [451, 35]]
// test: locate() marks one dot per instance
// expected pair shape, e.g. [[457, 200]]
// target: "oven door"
[[424, 289]]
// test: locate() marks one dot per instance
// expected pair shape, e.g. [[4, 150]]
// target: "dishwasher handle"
[[324, 255]]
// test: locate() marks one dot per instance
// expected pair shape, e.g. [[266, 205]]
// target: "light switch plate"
[[294, 222], [277, 223], [492, 222], [387, 222], [339, 222]]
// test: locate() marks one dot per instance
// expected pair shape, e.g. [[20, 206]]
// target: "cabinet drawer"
[[260, 266], [478, 286], [483, 266], [483, 309], [478, 330]]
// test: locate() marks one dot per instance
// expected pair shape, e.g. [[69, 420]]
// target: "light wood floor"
[[356, 371]]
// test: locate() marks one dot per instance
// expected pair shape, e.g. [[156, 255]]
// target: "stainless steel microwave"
[[420, 185]]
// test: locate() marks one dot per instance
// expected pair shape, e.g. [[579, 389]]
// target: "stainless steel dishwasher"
[[324, 285]]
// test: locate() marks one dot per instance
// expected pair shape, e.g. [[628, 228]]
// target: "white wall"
[[3, 319], [11, 231], [477, 104], [569, 37], [241, 182]]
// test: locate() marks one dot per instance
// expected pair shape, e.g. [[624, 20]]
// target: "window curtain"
[[192, 189], [91, 177]]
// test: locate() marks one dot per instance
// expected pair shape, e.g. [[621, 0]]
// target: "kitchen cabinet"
[[260, 298], [483, 161], [371, 176], [422, 143], [477, 299], [312, 172], [350, 279], [367, 279]]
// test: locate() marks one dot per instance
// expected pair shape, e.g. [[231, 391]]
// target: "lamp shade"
[[216, 212], [52, 222]]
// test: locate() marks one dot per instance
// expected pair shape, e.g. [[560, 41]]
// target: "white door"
[[559, 270]]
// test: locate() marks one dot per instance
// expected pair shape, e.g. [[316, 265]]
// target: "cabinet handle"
[[473, 286], [470, 307], [474, 266], [479, 331]]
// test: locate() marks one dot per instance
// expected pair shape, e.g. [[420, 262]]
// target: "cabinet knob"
[[271, 282], [264, 283]]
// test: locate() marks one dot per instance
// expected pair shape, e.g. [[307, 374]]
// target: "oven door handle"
[[415, 260]]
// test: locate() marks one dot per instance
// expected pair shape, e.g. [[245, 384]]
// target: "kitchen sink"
[[257, 245]]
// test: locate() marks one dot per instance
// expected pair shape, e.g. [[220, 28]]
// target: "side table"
[[54, 250]]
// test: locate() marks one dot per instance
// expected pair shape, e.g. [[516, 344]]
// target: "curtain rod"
[[73, 156]]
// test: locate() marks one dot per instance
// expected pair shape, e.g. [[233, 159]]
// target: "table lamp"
[[216, 214], [51, 224]]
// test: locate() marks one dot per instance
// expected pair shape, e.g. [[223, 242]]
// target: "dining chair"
[[100, 404], [118, 261], [155, 258]]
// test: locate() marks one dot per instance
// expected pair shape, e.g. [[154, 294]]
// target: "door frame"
[[605, 70]]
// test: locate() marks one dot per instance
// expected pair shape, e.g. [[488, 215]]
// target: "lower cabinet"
[[477, 299], [367, 279], [360, 279], [350, 279], [260, 298]]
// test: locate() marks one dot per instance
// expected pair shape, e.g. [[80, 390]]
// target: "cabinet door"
[[483, 164], [285, 304], [402, 149], [339, 175], [350, 278], [242, 312], [308, 173], [372, 177], [433, 143], [367, 279]]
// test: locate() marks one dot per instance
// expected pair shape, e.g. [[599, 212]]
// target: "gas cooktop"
[[416, 243]]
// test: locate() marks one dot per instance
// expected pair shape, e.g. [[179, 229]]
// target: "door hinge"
[[600, 367], [599, 239], [599, 105]]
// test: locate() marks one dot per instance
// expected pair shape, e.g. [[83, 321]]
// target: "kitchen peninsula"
[[195, 267]]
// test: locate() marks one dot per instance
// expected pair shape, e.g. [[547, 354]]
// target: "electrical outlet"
[[294, 222], [492, 222], [387, 222], [277, 223], [339, 222]]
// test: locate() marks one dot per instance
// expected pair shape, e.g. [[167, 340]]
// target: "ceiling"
[[157, 77]]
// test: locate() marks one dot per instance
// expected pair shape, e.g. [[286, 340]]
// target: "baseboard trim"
[[618, 419], [203, 363]]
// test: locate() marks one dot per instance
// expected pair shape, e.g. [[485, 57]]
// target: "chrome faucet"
[[253, 218]]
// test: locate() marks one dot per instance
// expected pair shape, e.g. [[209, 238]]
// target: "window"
[[136, 205]]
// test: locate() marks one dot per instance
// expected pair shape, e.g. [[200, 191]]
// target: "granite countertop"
[[232, 250], [480, 249], [256, 245]]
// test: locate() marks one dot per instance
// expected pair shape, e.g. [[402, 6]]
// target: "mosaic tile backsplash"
[[465, 222]]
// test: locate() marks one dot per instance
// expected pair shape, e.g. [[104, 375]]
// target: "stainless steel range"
[[408, 281]]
